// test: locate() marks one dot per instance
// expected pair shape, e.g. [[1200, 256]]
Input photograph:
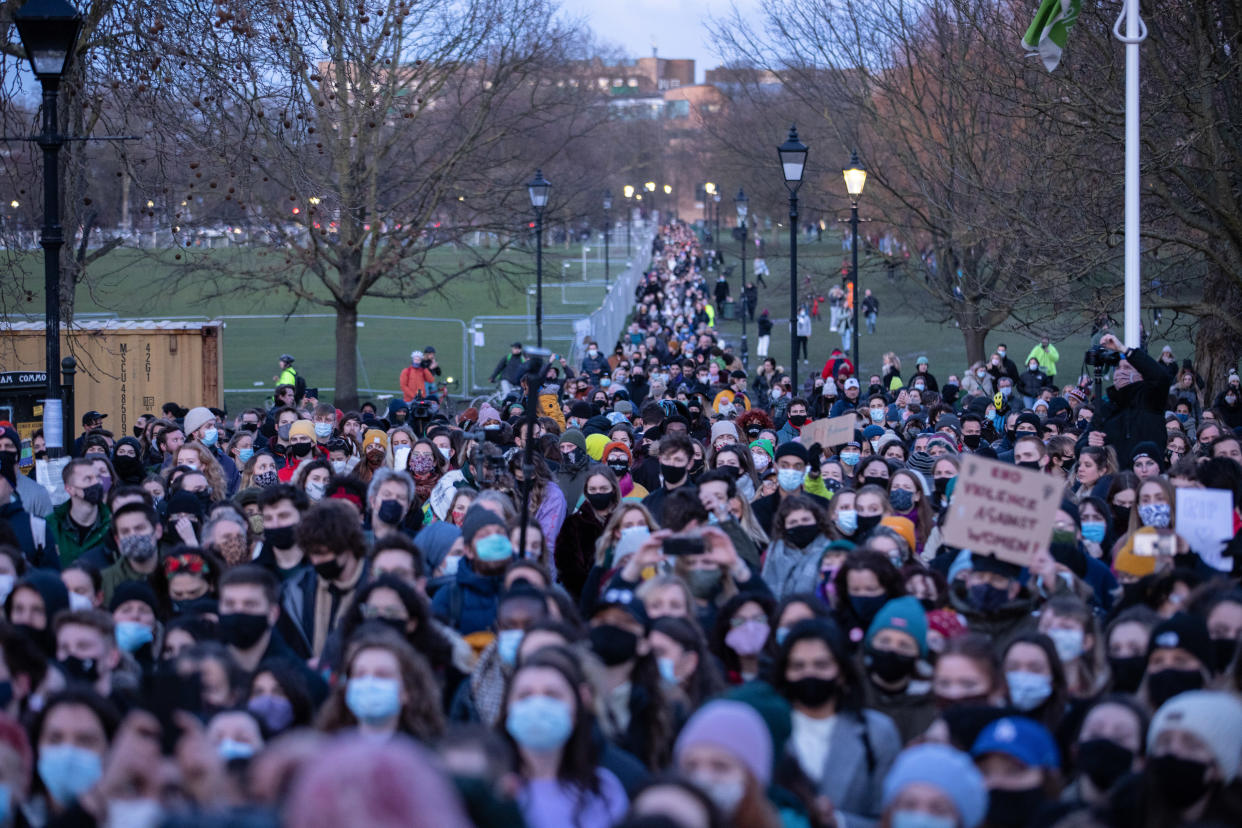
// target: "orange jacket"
[[414, 382]]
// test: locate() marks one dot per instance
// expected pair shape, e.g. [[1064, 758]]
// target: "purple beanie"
[[735, 727]]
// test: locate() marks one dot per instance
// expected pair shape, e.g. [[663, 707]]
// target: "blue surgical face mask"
[[244, 455], [323, 430], [507, 644], [1028, 691], [130, 635], [230, 749], [668, 670], [847, 520], [920, 819], [1093, 530], [373, 699], [494, 548], [877, 415], [68, 771], [540, 724], [1006, 390], [850, 458], [790, 479], [210, 436], [781, 634]]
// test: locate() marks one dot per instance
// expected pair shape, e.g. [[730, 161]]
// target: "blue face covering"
[[494, 548], [130, 635], [539, 723], [1093, 530], [507, 644], [373, 699], [210, 436], [68, 771], [244, 455]]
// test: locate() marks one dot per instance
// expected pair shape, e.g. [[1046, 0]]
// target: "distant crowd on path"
[[304, 616]]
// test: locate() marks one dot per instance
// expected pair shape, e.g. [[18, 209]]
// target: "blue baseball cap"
[[1021, 738]]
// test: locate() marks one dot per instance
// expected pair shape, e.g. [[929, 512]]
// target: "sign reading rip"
[[1002, 510]]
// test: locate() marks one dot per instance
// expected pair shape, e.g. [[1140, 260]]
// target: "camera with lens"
[[1101, 357], [420, 410]]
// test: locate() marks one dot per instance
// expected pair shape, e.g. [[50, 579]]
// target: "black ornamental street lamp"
[[49, 32], [793, 161], [855, 179], [538, 189]]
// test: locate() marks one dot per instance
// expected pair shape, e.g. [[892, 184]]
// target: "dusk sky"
[[676, 27]]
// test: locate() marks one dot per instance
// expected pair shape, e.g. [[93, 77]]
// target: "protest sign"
[[829, 433], [1205, 520], [1002, 510]]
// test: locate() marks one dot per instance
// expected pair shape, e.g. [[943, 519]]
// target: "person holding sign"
[[992, 597], [792, 462]]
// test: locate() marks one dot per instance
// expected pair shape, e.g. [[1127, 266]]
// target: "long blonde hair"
[[612, 529]]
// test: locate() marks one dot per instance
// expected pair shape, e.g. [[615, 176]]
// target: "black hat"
[[582, 409], [286, 358], [184, 502], [793, 449], [133, 591], [1146, 449], [990, 563], [1185, 632], [516, 345], [91, 416], [1030, 418]]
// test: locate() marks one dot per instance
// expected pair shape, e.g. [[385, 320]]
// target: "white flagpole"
[[1136, 33]]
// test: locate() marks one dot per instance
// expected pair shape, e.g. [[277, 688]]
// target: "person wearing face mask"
[[676, 455], [390, 496], [578, 535], [1132, 410], [1109, 747], [302, 448], [468, 604], [280, 510], [71, 737], [82, 522], [934, 786], [895, 644], [992, 597], [1192, 763], [792, 462], [1021, 767], [200, 426], [572, 473], [137, 530], [31, 533], [550, 727], [725, 750], [844, 748], [1179, 659], [792, 564]]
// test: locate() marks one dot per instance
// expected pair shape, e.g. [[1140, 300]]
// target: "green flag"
[[1048, 32]]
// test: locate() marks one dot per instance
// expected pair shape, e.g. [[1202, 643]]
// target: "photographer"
[[1132, 410]]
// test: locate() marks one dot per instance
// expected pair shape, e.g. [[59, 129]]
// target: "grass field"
[[135, 285]]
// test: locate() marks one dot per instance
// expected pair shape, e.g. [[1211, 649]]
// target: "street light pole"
[[792, 154], [538, 190], [607, 230], [742, 203], [719, 241], [49, 32], [855, 178]]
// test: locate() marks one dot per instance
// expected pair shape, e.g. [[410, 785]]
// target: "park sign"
[[1002, 510]]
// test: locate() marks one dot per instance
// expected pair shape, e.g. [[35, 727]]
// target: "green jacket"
[[66, 534], [117, 574], [1046, 359]]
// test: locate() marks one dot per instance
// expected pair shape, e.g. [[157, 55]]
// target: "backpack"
[[299, 386]]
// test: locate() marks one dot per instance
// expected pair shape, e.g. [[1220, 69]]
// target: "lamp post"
[[716, 199], [742, 203], [607, 230], [538, 189], [668, 192], [793, 161], [855, 178], [49, 32], [629, 217]]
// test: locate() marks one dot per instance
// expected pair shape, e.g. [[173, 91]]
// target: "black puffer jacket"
[[1135, 414]]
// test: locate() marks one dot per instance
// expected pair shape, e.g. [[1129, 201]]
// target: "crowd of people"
[[312, 617]]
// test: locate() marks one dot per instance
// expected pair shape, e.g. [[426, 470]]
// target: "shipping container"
[[126, 368]]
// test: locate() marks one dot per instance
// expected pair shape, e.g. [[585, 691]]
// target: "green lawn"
[[136, 285]]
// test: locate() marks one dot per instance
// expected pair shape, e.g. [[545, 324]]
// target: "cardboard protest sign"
[[1002, 510], [829, 433], [1205, 520]]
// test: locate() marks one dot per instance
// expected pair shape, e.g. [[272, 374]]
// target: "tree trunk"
[[346, 396], [1217, 345], [975, 338]]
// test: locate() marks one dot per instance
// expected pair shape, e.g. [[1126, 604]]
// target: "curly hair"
[[209, 467], [755, 417], [331, 525]]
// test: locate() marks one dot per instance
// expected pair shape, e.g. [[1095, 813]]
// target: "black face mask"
[[1103, 761], [43, 639], [1222, 652], [330, 569], [599, 500], [1013, 807], [800, 537], [613, 645], [1121, 519], [137, 432], [390, 512], [280, 537], [129, 468], [798, 420], [753, 433], [1182, 782], [813, 691], [870, 480], [93, 494], [1166, 684], [1127, 672], [6, 693], [940, 486], [672, 474], [866, 523], [972, 441], [619, 467], [300, 449], [888, 666], [82, 670], [866, 607], [241, 629]]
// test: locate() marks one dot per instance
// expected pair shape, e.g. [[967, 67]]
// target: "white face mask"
[[445, 453], [761, 459], [400, 455], [451, 562]]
